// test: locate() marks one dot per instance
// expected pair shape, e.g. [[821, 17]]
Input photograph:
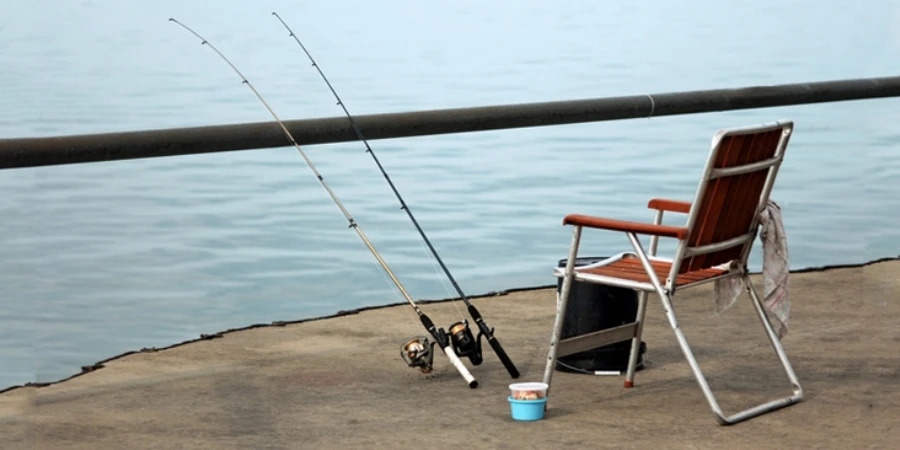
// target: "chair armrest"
[[626, 226], [662, 204]]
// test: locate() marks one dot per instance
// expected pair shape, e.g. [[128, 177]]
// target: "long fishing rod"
[[463, 340], [416, 351]]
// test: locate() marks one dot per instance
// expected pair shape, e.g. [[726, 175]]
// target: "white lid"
[[528, 386]]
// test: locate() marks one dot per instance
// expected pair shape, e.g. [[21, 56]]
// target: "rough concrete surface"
[[340, 382]]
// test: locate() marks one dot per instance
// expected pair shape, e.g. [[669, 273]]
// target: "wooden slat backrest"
[[729, 204]]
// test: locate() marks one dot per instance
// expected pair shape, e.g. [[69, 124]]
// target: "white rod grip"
[[460, 367]]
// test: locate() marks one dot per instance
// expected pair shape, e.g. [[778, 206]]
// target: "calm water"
[[98, 259]]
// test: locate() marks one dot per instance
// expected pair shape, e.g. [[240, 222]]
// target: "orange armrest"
[[626, 226], [670, 205]]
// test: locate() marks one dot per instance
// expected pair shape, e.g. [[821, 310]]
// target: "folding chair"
[[722, 224]]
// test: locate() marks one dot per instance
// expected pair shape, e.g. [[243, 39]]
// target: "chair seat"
[[628, 267]]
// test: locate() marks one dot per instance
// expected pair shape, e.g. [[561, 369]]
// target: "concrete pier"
[[340, 382]]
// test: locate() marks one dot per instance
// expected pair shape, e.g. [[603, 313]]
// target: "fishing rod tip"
[[171, 19]]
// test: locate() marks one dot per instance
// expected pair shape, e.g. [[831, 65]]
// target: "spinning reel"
[[419, 352], [464, 343]]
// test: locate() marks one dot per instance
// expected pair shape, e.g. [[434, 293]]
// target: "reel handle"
[[477, 357], [460, 367]]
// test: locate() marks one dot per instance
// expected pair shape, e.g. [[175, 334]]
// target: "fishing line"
[[467, 344], [416, 351], [392, 287], [437, 272]]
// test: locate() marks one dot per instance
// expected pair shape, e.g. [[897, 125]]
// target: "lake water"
[[98, 259]]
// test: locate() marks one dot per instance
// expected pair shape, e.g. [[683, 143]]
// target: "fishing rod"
[[464, 342], [417, 351]]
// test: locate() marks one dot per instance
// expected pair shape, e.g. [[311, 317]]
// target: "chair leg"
[[561, 308], [701, 380], [773, 339], [636, 341]]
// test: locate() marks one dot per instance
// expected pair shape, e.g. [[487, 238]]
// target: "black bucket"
[[595, 307]]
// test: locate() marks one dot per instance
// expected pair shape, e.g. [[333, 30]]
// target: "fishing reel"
[[464, 343], [418, 352]]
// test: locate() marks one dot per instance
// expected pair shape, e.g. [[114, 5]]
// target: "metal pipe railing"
[[45, 151]]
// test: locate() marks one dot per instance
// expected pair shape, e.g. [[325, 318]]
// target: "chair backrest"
[[733, 190]]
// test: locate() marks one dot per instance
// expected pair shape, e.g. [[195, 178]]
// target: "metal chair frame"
[[734, 267]]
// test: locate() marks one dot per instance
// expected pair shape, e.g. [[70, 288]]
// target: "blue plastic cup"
[[527, 410]]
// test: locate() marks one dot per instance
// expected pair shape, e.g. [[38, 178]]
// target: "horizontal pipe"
[[45, 151]]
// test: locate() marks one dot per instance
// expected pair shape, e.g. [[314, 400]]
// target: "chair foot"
[[629, 384]]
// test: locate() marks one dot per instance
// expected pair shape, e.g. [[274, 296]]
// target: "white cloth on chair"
[[776, 273]]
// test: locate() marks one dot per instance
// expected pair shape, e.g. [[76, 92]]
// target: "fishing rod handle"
[[504, 358], [460, 367], [495, 344]]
